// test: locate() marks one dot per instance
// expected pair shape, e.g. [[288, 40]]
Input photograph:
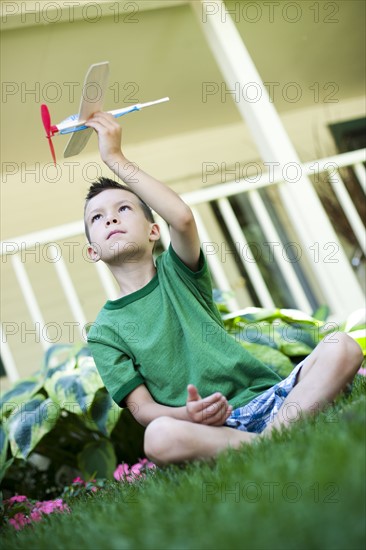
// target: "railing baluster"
[[29, 298], [69, 290], [251, 267], [215, 265], [285, 267]]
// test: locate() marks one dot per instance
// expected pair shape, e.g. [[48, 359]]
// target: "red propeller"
[[50, 130]]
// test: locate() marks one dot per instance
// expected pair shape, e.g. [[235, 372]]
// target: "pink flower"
[[46, 507], [145, 462], [362, 371], [124, 473], [19, 521], [136, 469], [49, 506], [78, 480], [17, 498], [121, 472], [35, 515]]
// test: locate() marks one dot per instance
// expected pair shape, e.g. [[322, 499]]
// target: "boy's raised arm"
[[162, 199]]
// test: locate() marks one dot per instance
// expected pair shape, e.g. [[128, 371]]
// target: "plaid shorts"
[[260, 412]]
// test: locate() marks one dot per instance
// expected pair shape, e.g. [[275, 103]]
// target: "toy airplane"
[[94, 88]]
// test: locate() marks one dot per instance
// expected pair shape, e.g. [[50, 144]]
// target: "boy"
[[163, 337]]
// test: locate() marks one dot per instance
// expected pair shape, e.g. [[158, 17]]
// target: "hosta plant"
[[281, 338], [62, 422]]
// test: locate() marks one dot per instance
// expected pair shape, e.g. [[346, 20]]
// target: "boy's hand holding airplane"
[[109, 137]]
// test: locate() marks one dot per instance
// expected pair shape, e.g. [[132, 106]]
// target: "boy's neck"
[[132, 276]]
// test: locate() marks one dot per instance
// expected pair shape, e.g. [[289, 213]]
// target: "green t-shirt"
[[170, 334]]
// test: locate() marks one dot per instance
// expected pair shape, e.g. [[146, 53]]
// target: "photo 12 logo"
[[46, 13], [270, 491], [271, 12], [253, 92], [52, 92]]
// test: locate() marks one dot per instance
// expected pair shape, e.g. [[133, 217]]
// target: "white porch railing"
[[13, 249]]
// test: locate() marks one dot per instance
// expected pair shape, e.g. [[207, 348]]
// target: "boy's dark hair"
[[105, 183]]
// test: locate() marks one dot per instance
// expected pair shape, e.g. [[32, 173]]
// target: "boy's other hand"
[[109, 137], [212, 410]]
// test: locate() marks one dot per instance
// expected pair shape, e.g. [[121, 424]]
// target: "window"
[[350, 135]]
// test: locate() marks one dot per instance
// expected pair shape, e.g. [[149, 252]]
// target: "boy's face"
[[118, 228]]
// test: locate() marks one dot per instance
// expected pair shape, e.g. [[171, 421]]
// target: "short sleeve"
[[199, 280], [198, 283], [202, 270], [116, 369]]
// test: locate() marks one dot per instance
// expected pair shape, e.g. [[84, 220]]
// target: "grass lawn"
[[303, 489]]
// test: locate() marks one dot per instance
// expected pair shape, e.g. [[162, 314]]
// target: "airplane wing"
[[92, 97], [77, 142]]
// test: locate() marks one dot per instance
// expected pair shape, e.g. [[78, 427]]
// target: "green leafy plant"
[[62, 422], [281, 338]]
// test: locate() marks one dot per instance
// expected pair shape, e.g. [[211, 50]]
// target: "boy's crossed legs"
[[324, 374]]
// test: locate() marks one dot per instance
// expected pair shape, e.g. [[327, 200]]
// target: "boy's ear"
[[154, 232], [93, 253]]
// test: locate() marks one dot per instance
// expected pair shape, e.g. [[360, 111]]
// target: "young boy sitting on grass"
[[161, 347]]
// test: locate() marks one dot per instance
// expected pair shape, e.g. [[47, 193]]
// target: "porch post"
[[337, 281]]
